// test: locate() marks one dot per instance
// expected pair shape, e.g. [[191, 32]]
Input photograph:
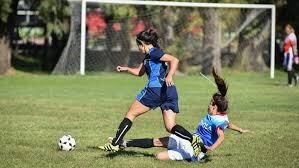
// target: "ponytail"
[[219, 98], [221, 85]]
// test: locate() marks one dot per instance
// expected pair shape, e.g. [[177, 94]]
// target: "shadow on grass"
[[208, 158], [111, 155], [130, 154]]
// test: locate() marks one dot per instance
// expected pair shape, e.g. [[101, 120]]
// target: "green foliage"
[[27, 32], [55, 14], [185, 21], [36, 110], [178, 49], [5, 10], [119, 12]]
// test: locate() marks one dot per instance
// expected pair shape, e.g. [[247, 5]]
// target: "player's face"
[[287, 30], [212, 108], [141, 48]]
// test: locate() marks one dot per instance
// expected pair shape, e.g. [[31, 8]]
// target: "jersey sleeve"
[[222, 125], [156, 54]]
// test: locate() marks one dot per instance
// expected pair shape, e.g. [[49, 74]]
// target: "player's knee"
[[157, 142], [159, 156], [162, 156]]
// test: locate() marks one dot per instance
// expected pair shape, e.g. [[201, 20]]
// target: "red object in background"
[[196, 29], [116, 26], [96, 23], [139, 26]]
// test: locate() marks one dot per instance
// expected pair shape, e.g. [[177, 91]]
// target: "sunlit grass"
[[35, 110]]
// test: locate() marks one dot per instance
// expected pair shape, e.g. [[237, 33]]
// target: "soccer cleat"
[[122, 144], [201, 157], [109, 147], [195, 145]]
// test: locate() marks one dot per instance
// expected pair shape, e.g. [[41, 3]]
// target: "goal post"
[[83, 36], [176, 4]]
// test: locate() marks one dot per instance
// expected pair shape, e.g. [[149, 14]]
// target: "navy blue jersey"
[[155, 69], [156, 93]]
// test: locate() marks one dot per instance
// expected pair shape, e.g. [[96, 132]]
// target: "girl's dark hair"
[[149, 36], [219, 98]]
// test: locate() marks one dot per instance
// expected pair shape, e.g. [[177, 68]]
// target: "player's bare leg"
[[135, 110]]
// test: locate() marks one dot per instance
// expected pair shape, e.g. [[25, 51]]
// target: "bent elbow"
[[140, 74]]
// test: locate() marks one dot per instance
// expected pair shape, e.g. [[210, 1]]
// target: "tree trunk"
[[211, 41], [6, 33], [250, 51], [5, 55], [69, 61]]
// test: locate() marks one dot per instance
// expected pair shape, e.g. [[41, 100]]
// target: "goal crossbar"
[[184, 4]]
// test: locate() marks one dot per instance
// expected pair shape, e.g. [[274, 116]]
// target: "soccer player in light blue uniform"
[[210, 131], [160, 91], [211, 127]]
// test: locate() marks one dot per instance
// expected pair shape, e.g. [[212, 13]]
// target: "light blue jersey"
[[207, 128]]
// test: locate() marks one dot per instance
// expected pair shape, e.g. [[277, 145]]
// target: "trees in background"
[[55, 16], [121, 14], [8, 12]]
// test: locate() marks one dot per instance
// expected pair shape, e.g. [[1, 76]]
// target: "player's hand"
[[169, 81], [209, 148], [244, 131], [121, 69]]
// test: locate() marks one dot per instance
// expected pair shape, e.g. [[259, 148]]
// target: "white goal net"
[[201, 35]]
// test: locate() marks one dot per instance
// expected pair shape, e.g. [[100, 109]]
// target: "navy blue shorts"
[[164, 97]]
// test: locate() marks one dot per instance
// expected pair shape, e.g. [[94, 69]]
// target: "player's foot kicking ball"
[[122, 144], [109, 147]]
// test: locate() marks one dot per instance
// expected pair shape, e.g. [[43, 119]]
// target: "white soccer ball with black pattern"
[[66, 143]]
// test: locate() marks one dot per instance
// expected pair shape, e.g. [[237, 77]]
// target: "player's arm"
[[134, 71], [293, 46], [173, 63], [219, 141], [236, 128]]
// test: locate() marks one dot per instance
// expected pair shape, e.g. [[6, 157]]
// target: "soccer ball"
[[66, 143]]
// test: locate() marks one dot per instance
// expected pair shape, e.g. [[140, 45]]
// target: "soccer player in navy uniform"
[[210, 131], [160, 91]]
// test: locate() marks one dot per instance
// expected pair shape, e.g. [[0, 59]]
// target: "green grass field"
[[35, 110]]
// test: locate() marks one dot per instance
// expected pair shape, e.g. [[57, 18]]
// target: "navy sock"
[[182, 132], [141, 143], [123, 128]]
